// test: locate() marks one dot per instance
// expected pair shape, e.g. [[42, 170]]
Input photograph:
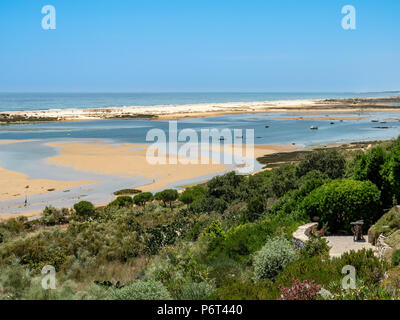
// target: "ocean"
[[46, 101]]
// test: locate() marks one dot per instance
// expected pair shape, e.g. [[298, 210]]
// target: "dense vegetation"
[[230, 238]]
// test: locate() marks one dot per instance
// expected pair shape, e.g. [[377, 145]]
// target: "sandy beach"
[[130, 160], [16, 185], [173, 112]]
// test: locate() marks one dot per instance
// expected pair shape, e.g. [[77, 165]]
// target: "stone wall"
[[383, 249], [302, 234]]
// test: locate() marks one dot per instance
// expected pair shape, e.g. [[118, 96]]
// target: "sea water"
[[46, 101]]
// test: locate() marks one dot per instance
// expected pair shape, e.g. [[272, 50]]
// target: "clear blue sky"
[[199, 45]]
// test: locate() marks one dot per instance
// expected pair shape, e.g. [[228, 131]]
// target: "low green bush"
[[122, 202], [369, 267], [316, 246], [395, 258], [273, 257], [52, 216], [148, 289], [245, 289], [197, 291], [387, 224]]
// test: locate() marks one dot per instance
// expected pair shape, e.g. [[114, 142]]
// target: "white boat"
[[314, 128]]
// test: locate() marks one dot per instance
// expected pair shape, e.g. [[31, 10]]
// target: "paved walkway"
[[342, 244]]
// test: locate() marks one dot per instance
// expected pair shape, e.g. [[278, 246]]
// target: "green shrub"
[[242, 240], [84, 209], [197, 291], [167, 196], [387, 224], [142, 198], [245, 289], [52, 216], [316, 246], [322, 271], [14, 281], [214, 234], [141, 290], [14, 227], [330, 162], [192, 194], [273, 257], [122, 202], [255, 207], [282, 180], [369, 267], [343, 201], [395, 258]]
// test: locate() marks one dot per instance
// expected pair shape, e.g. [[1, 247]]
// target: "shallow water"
[[29, 157]]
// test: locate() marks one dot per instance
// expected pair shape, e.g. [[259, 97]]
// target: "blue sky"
[[199, 45]]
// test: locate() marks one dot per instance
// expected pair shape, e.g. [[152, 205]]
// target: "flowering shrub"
[[306, 290]]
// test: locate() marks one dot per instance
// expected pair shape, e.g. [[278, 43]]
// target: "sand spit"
[[130, 160], [15, 185], [170, 112]]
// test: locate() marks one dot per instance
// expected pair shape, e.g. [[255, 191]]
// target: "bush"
[[323, 271], [51, 216], [122, 202], [84, 209], [316, 246], [255, 207], [167, 196], [369, 267], [282, 180], [245, 289], [306, 290], [343, 201], [273, 257], [388, 224], [142, 198], [142, 290], [197, 291], [396, 258], [192, 194], [330, 162]]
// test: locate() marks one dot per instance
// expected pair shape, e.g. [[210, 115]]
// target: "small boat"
[[382, 122], [267, 127], [374, 120], [221, 139], [332, 123], [314, 128]]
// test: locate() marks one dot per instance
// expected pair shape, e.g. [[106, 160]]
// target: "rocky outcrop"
[[382, 247], [302, 234]]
